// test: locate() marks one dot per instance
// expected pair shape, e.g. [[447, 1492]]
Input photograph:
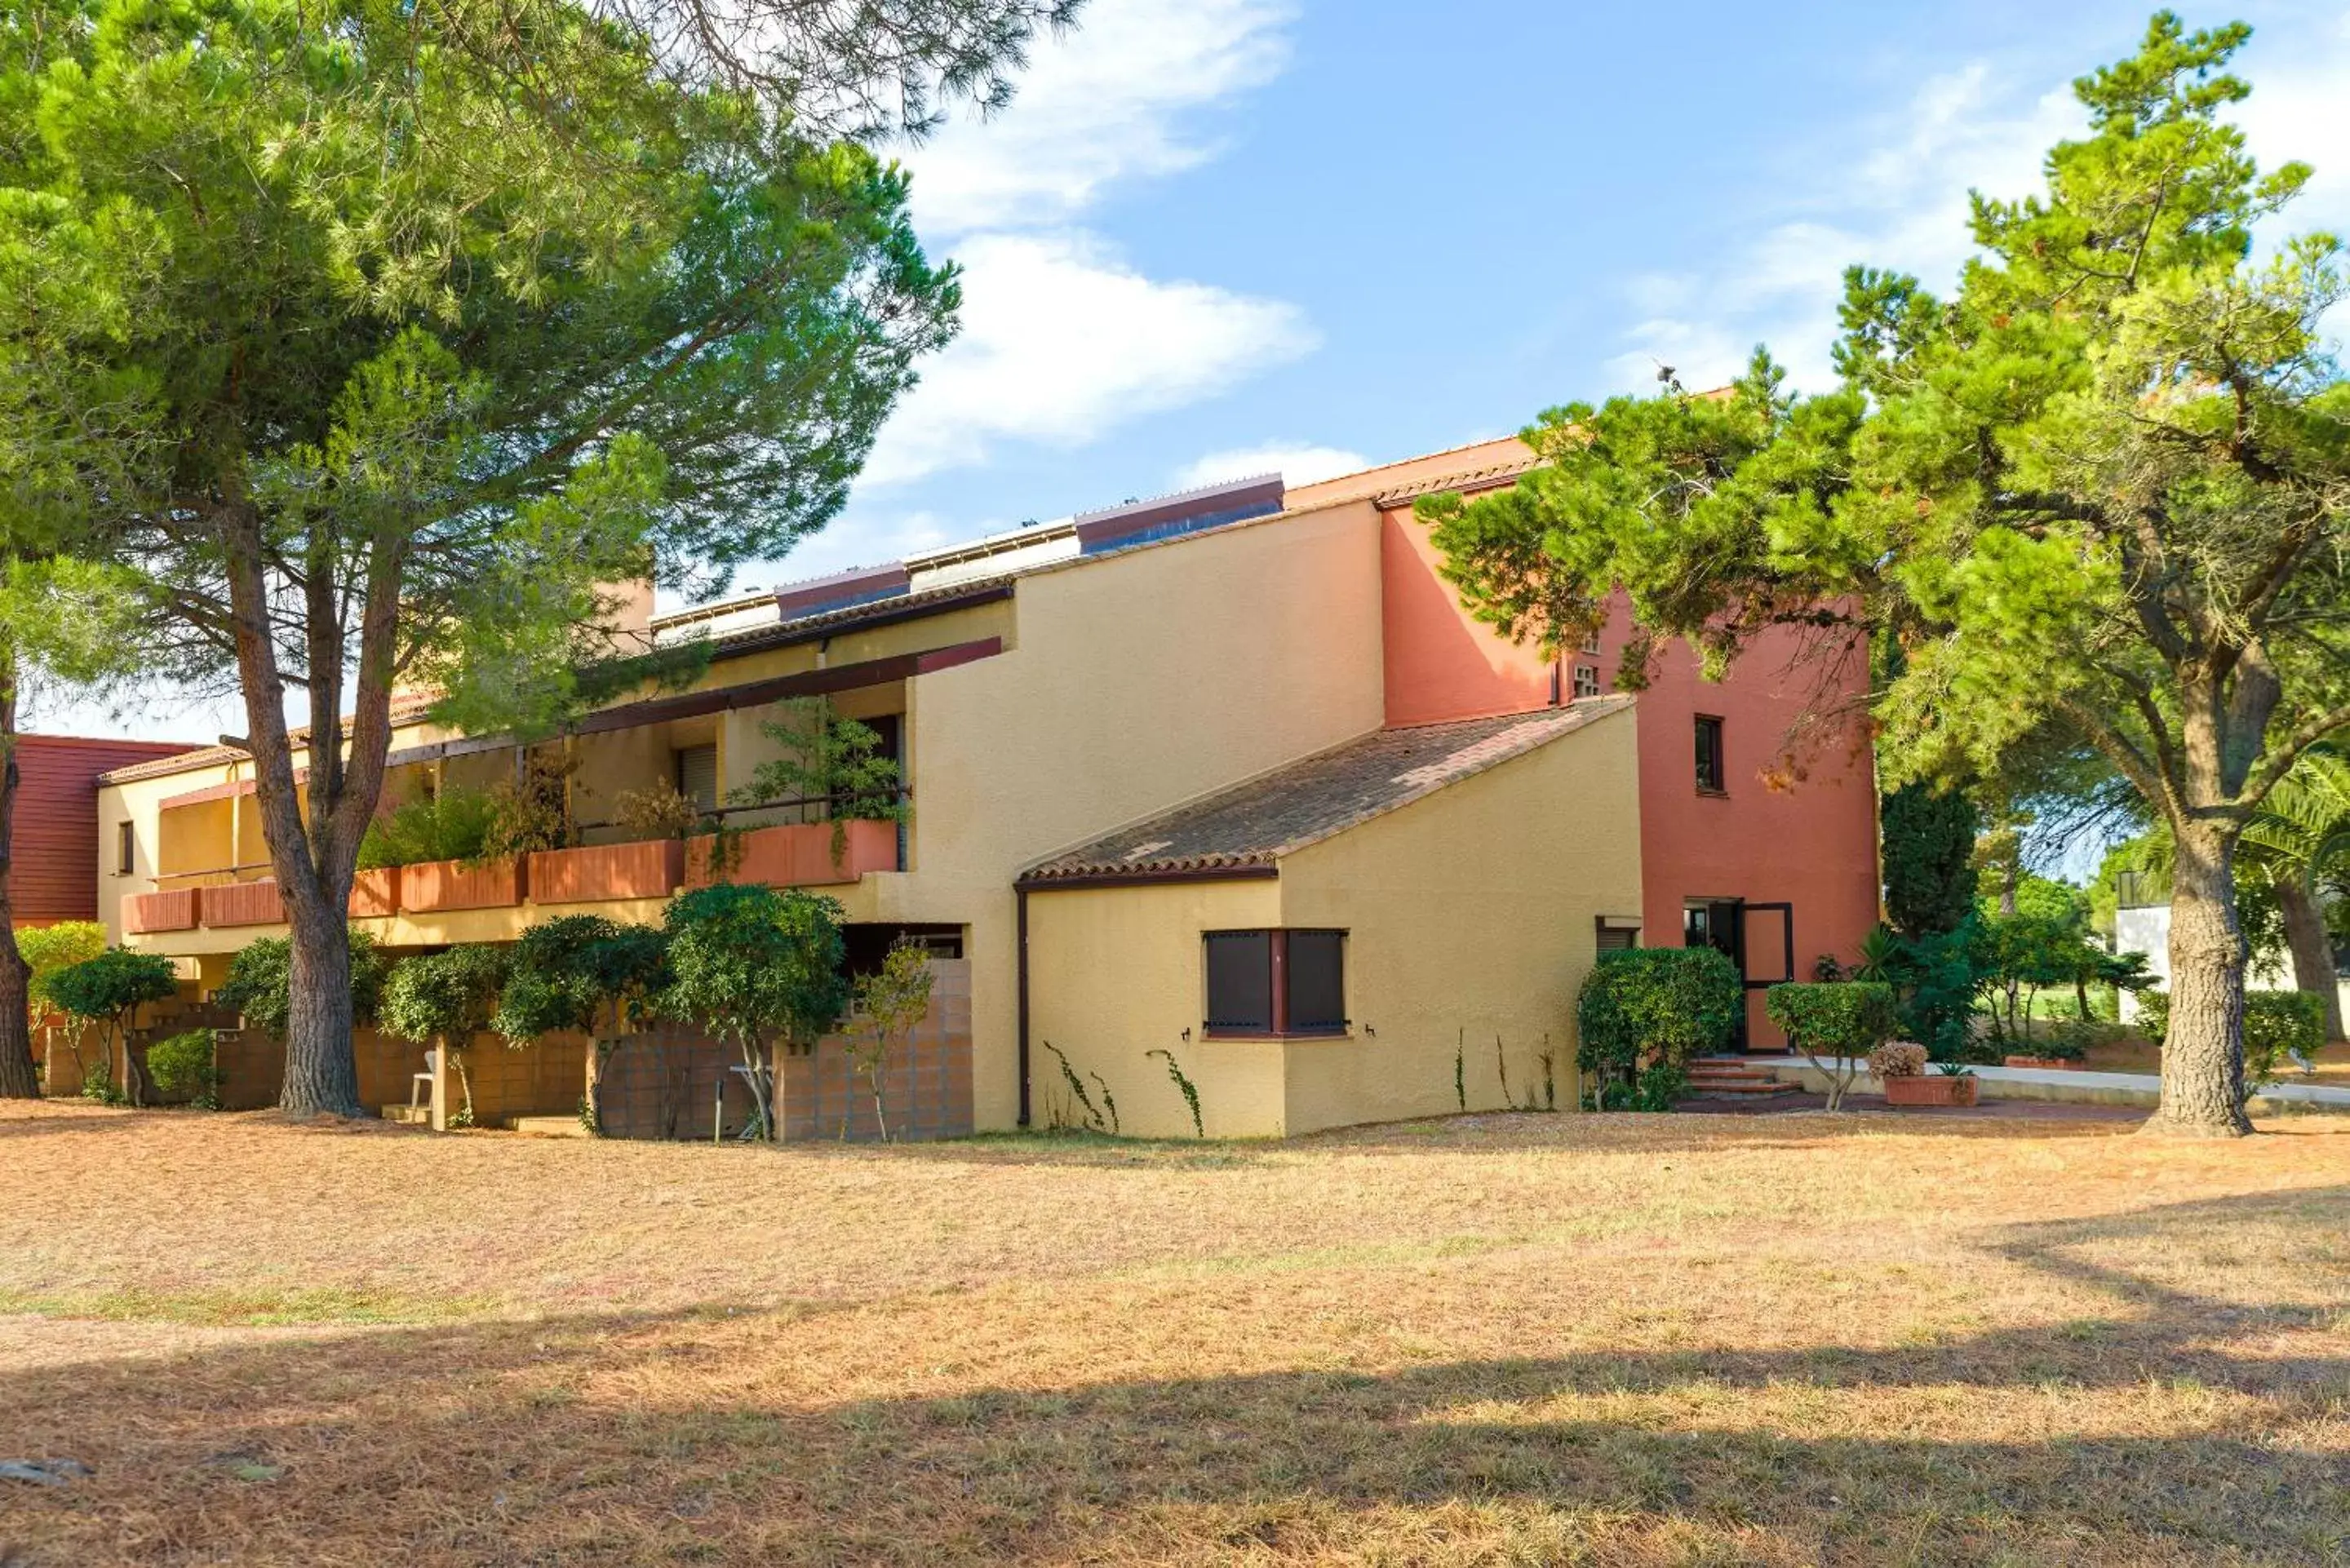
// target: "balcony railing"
[[789, 854]]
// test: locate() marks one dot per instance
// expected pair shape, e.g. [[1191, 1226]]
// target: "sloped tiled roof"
[[406, 709], [1279, 813]]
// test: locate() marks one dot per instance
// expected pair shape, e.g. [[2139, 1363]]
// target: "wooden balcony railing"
[[171, 909]]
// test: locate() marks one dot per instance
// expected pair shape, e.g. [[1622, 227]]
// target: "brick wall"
[[543, 1078]]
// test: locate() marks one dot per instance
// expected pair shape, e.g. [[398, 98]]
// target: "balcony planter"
[[649, 869], [244, 904], [375, 894], [797, 855], [1931, 1089], [172, 910], [433, 885]]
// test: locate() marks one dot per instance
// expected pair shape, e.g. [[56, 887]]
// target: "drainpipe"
[[1021, 894]]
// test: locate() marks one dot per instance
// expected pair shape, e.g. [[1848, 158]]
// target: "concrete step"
[[546, 1126], [411, 1116], [1744, 1087]]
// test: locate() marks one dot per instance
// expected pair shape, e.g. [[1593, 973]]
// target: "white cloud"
[[1296, 462], [1062, 342], [1903, 205], [1114, 100]]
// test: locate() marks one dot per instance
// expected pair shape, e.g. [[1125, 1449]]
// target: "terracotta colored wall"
[[52, 875], [1805, 836]]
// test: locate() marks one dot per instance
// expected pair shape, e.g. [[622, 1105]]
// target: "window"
[[126, 847], [1276, 983], [1711, 776], [697, 775], [1617, 936], [1591, 643], [1586, 680]]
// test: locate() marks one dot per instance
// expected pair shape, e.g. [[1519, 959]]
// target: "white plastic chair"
[[422, 1083]]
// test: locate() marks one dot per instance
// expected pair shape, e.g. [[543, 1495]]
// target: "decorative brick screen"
[[675, 1083]]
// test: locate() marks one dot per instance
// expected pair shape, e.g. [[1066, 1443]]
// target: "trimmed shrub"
[[1835, 1026], [2275, 1023], [1644, 1012], [260, 983], [183, 1068], [2153, 1019]]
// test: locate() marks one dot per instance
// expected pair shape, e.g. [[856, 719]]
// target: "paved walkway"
[[2080, 1087]]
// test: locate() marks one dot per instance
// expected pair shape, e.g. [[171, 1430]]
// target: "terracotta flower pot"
[[1931, 1089]]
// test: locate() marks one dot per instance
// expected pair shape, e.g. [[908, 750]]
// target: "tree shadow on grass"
[[2176, 1427]]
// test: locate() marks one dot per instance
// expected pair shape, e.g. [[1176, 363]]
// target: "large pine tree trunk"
[[18, 1078], [2313, 950], [321, 1068], [2203, 1055]]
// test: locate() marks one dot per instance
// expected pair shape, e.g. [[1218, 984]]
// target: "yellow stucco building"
[[1156, 788]]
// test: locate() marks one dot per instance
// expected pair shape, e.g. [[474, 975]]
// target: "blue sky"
[[1220, 236]]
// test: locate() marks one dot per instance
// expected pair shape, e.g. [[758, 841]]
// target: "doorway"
[[1748, 935]]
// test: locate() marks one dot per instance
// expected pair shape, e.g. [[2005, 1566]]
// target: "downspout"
[[1020, 892]]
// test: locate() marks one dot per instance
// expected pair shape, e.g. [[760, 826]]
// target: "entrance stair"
[[1724, 1076]]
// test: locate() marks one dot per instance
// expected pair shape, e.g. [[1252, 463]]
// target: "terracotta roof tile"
[[1277, 813]]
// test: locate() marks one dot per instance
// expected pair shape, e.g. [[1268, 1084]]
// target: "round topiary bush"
[[1643, 1013], [183, 1068]]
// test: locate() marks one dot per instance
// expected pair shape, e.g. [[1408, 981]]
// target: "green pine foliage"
[[2092, 497]]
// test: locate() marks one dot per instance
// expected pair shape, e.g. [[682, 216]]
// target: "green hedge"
[[1834, 1018], [1644, 1012], [183, 1067]]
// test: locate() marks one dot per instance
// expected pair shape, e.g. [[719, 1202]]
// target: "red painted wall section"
[[1804, 834], [53, 870]]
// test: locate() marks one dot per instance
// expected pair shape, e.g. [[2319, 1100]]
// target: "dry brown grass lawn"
[[1492, 1340]]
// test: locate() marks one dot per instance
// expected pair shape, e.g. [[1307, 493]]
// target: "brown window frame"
[[1609, 938], [126, 848], [1716, 751], [1278, 972]]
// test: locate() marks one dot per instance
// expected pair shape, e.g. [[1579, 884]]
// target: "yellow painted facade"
[[1127, 683], [1472, 915]]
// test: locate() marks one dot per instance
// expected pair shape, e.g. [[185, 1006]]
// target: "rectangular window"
[[1240, 983], [1591, 643], [697, 775], [1276, 983], [1711, 776], [1586, 680], [126, 847], [1614, 938]]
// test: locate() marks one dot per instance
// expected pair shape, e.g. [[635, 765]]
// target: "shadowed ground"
[[1497, 1339]]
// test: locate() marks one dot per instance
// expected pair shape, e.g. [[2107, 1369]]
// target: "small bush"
[[1643, 1013], [452, 826], [183, 1068], [1898, 1059], [1835, 1026], [2276, 1022]]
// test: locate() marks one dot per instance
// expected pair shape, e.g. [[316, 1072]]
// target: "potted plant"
[[1900, 1066]]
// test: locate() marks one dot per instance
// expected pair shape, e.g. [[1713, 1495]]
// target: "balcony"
[[650, 869], [242, 904], [795, 855], [436, 884], [375, 894], [173, 909]]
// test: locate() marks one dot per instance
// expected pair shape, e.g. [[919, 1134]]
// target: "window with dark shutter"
[[126, 848], [1710, 775], [1317, 983], [1618, 939], [1240, 983], [697, 775], [1277, 983]]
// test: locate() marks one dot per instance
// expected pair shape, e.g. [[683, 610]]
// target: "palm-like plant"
[[2300, 831]]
